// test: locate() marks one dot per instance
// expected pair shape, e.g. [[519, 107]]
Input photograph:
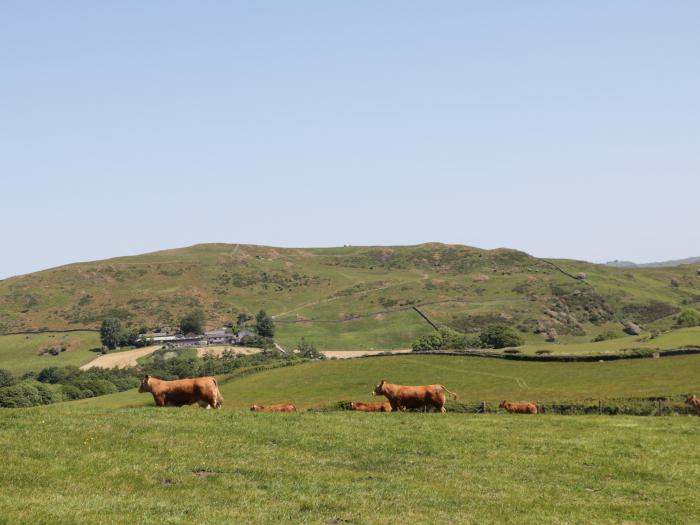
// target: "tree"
[[111, 333], [265, 325], [6, 378], [193, 323], [308, 350], [500, 336], [688, 317], [243, 318]]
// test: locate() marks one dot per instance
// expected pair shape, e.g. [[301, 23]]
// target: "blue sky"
[[567, 129]]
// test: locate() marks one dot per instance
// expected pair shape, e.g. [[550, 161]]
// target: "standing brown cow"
[[202, 390], [421, 397], [370, 407], [694, 401], [274, 408], [519, 408]]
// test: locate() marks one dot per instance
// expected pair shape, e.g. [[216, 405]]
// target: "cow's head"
[[145, 386], [379, 389], [503, 404], [352, 405], [254, 408], [691, 399]]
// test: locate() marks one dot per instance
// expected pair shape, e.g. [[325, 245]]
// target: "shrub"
[[6, 378], [445, 339], [309, 350], [20, 395], [688, 317], [606, 336], [500, 336], [543, 352], [55, 374]]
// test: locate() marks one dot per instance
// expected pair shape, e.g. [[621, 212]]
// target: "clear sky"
[[565, 129]]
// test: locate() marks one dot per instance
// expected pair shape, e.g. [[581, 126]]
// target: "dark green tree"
[[500, 336], [111, 333], [6, 378], [193, 323], [265, 325]]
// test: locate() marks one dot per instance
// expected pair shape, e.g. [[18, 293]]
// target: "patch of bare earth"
[[123, 359]]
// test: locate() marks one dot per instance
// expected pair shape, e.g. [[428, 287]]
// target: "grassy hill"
[[352, 297]]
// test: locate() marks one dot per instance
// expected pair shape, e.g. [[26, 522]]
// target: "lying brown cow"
[[420, 397], [202, 390], [694, 401], [519, 408], [274, 408], [370, 407]]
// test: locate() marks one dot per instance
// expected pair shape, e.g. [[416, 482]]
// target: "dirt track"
[[120, 359], [129, 357]]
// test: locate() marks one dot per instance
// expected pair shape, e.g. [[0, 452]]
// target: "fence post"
[[483, 407]]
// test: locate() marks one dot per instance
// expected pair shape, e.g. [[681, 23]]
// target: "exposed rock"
[[581, 275], [551, 335], [632, 328]]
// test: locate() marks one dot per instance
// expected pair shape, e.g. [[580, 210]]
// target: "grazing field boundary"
[[642, 353], [628, 406]]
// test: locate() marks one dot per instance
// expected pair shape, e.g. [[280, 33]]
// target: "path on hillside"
[[120, 359], [129, 358]]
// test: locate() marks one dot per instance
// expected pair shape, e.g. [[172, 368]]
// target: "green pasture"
[[21, 353], [322, 384], [73, 464]]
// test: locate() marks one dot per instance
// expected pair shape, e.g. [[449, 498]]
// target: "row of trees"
[[492, 336]]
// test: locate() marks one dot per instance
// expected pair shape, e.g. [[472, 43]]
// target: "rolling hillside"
[[351, 297]]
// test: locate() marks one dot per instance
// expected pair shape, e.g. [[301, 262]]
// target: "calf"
[[274, 408], [519, 408], [694, 401], [420, 397], [370, 407], [201, 390]]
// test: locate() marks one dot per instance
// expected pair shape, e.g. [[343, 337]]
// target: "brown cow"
[[421, 397], [202, 390], [283, 407], [694, 401], [519, 408], [370, 407]]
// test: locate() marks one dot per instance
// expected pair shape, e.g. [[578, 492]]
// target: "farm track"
[[123, 359]]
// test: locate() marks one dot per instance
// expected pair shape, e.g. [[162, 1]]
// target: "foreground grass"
[[324, 383], [78, 465]]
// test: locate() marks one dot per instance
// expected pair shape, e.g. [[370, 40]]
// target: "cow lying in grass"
[[418, 397], [274, 408], [694, 401], [202, 390], [519, 408], [370, 407]]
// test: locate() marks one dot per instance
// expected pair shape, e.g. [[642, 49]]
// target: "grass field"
[[666, 341], [322, 384], [73, 464], [22, 353]]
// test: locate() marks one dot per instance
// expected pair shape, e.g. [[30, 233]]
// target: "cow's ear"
[[146, 377]]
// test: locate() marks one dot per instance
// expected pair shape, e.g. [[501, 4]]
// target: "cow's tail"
[[219, 397], [454, 396]]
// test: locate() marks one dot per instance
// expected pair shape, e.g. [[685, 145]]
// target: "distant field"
[[21, 353], [71, 464], [669, 340], [324, 383]]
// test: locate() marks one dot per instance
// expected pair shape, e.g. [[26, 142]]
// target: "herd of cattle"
[[204, 391]]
